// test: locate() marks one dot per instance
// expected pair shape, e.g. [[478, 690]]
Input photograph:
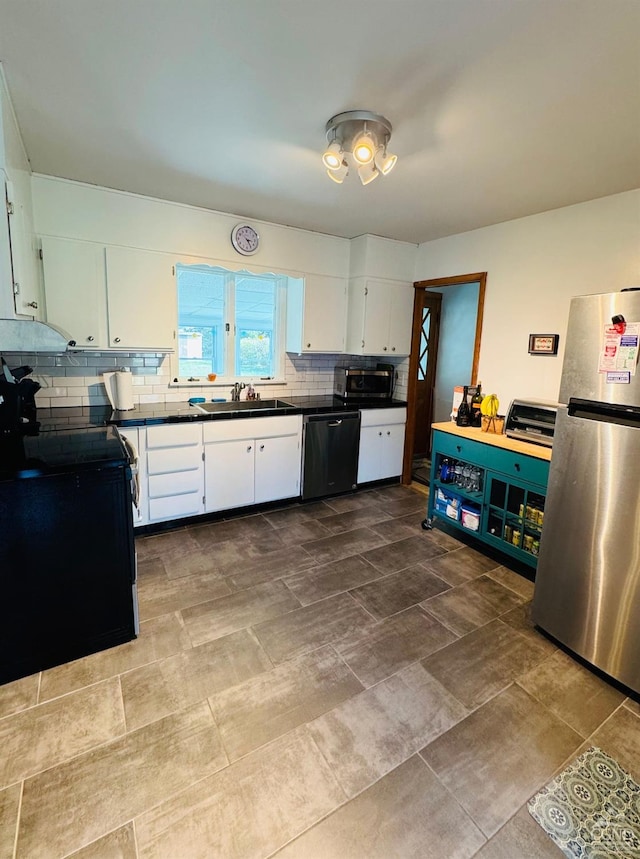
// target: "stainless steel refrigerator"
[[587, 592]]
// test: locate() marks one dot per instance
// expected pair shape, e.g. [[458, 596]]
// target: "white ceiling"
[[500, 108]]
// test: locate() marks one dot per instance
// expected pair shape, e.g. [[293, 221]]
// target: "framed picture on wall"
[[543, 344]]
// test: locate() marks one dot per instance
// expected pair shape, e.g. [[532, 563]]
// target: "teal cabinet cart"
[[490, 487]]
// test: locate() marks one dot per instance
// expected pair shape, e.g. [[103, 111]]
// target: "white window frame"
[[229, 317]]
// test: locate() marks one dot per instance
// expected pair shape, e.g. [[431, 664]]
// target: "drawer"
[[174, 435], [527, 468], [167, 460], [466, 449], [161, 509], [161, 485], [252, 428], [379, 417], [513, 465]]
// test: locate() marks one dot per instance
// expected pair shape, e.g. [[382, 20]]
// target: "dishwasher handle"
[[332, 416]]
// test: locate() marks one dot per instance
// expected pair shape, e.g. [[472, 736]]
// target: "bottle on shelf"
[[445, 471], [476, 402], [463, 418]]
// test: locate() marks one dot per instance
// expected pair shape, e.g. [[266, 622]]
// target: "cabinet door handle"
[[393, 348], [388, 432], [516, 465], [248, 448], [116, 339], [459, 448], [384, 348], [90, 338], [380, 433], [261, 447], [33, 304], [308, 345]]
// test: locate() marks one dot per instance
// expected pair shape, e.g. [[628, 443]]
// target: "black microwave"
[[354, 383]]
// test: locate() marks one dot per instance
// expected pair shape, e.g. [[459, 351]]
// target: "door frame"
[[424, 286]]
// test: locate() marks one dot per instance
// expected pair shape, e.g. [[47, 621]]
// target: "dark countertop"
[[79, 417], [79, 437], [318, 405], [60, 451]]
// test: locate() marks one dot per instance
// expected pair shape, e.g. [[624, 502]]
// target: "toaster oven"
[[531, 420]]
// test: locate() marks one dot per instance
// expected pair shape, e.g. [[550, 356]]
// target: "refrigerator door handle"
[[605, 412]]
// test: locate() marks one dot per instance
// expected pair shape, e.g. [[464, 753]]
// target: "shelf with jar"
[[515, 516]]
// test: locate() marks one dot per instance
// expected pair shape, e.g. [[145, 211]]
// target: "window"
[[229, 323]]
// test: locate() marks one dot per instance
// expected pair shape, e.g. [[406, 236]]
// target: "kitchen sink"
[[241, 406]]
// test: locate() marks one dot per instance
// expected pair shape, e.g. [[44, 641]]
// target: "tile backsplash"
[[75, 378]]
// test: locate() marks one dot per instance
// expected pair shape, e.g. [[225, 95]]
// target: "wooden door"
[[427, 320]]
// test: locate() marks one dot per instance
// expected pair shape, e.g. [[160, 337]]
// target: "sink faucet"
[[235, 391]]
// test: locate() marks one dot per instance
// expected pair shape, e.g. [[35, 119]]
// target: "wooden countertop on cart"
[[495, 439]]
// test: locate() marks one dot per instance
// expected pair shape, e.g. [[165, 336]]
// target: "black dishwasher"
[[330, 454]]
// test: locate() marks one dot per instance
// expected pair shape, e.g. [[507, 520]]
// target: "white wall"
[[74, 210], [534, 266]]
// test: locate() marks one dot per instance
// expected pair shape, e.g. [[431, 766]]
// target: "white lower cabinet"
[[251, 461], [381, 444], [277, 467], [175, 471]]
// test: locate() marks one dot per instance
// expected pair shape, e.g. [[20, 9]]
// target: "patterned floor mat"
[[592, 809]]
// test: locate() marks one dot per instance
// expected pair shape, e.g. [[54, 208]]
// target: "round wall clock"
[[245, 239]]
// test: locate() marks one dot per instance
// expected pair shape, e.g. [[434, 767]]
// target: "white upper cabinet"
[[27, 296], [316, 314], [141, 296], [379, 317], [20, 287], [75, 291], [110, 298]]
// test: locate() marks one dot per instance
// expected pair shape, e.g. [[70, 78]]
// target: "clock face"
[[245, 239]]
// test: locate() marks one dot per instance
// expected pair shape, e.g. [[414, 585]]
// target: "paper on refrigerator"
[[619, 352]]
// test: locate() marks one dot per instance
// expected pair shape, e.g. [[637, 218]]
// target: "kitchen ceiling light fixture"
[[358, 138]]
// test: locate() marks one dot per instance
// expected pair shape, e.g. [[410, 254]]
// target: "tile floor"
[[324, 681]]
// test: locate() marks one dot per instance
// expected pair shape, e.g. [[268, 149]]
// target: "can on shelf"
[[535, 548], [515, 537], [508, 533], [528, 543]]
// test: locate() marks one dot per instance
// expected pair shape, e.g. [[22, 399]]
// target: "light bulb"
[[332, 157], [364, 149]]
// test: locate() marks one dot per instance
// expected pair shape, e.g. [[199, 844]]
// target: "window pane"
[[255, 299], [201, 336]]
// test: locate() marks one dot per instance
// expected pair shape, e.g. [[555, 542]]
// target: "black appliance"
[[330, 454], [17, 402], [68, 584]]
